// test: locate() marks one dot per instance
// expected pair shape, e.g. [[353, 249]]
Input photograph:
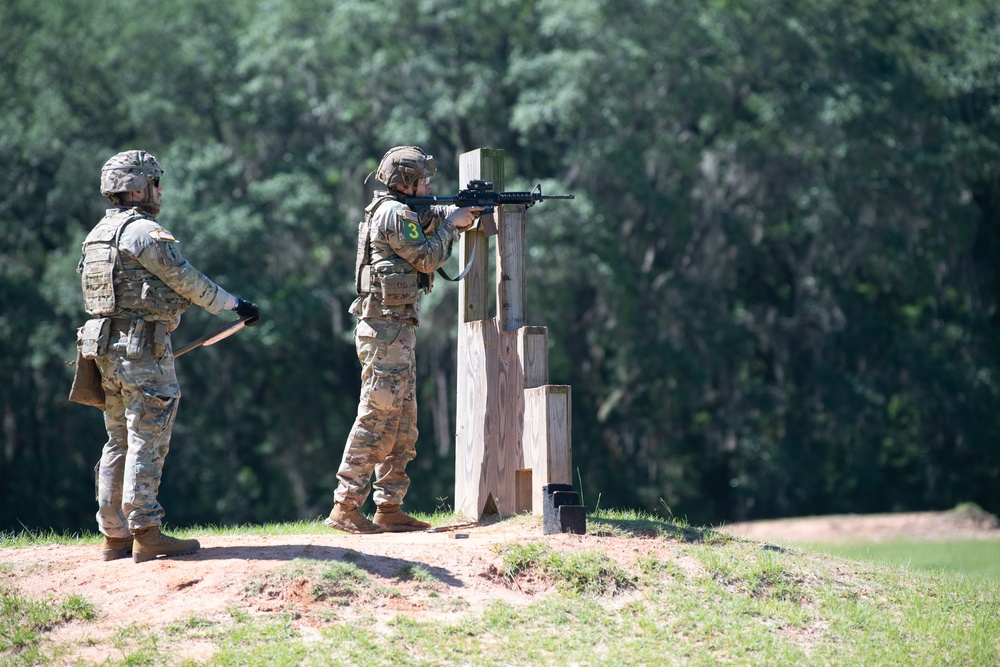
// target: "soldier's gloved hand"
[[248, 309]]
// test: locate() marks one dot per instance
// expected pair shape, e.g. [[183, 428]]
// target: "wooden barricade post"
[[513, 428]]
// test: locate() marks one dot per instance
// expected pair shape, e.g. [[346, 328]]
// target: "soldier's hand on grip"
[[248, 309], [465, 216]]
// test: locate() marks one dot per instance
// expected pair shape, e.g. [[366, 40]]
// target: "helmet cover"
[[404, 166], [129, 171]]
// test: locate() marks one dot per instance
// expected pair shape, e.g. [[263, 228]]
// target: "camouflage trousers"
[[141, 397], [384, 436]]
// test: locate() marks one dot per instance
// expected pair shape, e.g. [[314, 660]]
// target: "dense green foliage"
[[776, 293]]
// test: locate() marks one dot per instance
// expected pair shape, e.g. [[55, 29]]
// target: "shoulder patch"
[[411, 230], [161, 234]]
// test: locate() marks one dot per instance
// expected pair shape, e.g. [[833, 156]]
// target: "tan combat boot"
[[150, 543], [394, 520], [350, 520], [116, 547]]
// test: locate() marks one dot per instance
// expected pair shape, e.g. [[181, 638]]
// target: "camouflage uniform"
[[136, 285], [401, 248]]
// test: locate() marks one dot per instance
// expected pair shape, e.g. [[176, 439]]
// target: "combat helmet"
[[404, 166], [129, 171]]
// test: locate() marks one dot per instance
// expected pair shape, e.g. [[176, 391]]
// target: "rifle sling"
[[468, 266]]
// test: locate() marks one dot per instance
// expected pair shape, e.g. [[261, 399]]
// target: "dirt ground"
[[962, 523], [241, 573]]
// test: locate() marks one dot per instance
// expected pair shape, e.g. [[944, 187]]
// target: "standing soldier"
[[398, 251], [136, 284]]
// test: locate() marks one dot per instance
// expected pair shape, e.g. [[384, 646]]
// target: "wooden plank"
[[472, 428], [508, 388], [474, 290], [511, 299], [512, 428], [523, 490], [560, 441], [533, 351], [546, 442], [534, 443], [489, 447]]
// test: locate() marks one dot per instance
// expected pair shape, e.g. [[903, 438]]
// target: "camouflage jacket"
[[402, 241], [131, 267]]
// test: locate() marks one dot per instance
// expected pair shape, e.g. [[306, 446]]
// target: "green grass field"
[[975, 558], [679, 596]]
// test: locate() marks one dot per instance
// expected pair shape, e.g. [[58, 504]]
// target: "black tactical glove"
[[248, 309]]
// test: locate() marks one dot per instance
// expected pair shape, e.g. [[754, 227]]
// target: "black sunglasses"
[[156, 182]]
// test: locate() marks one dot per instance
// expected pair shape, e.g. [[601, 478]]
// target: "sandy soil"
[[242, 573]]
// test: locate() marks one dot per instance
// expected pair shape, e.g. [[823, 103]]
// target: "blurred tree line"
[[777, 292]]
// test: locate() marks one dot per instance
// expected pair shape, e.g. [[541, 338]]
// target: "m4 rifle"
[[481, 193]]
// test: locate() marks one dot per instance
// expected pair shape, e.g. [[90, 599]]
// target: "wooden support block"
[[512, 427], [474, 291], [522, 490], [512, 303], [475, 434], [496, 367], [533, 351], [491, 398], [546, 440]]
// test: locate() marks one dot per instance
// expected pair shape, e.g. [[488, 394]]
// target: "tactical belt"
[[142, 334], [370, 280]]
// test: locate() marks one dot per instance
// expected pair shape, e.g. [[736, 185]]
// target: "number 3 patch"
[[412, 231]]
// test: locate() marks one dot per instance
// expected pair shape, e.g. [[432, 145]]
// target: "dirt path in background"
[[957, 524], [240, 574]]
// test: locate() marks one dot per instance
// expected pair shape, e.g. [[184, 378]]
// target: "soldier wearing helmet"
[[398, 251], [136, 285], [132, 172]]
